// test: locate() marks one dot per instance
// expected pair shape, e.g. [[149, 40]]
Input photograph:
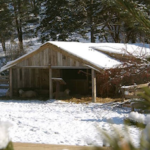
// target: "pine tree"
[[111, 26], [60, 19], [24, 17], [92, 19], [138, 11], [5, 23]]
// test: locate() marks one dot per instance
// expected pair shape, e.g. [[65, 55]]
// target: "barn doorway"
[[78, 81]]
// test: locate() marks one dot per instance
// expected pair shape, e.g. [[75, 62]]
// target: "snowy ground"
[[57, 122]]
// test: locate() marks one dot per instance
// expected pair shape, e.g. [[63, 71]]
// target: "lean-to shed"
[[41, 69]]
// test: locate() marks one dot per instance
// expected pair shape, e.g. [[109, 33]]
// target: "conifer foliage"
[[71, 20], [139, 13], [60, 19], [23, 18], [5, 23]]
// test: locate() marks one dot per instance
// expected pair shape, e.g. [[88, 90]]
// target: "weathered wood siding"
[[36, 78], [52, 57], [30, 78]]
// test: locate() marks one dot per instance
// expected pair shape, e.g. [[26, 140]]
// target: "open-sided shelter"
[[42, 68]]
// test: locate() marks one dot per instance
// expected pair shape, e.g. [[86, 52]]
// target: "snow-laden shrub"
[[137, 117], [123, 140], [4, 135]]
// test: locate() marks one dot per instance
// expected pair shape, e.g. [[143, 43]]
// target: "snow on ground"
[[57, 122]]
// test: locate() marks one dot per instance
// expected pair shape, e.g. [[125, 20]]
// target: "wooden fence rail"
[[4, 82], [31, 146], [132, 91]]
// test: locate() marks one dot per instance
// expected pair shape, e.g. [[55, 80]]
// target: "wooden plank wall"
[[32, 78], [50, 56], [29, 78]]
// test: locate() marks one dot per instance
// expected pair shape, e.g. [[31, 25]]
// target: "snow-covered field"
[[57, 122]]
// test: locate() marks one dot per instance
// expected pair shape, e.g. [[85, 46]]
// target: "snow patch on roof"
[[137, 50]]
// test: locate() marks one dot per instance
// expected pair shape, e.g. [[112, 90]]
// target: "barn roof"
[[138, 50], [94, 54], [87, 52]]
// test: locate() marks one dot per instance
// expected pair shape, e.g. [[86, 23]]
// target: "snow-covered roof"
[[96, 54], [87, 52], [138, 50]]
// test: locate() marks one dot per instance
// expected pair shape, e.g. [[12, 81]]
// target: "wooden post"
[[87, 73], [123, 94], [10, 83], [93, 86], [50, 83], [57, 90], [18, 78]]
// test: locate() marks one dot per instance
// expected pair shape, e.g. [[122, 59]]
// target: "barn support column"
[[50, 83], [10, 83], [93, 86]]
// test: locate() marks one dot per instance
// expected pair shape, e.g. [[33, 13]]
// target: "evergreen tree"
[[108, 22], [35, 6], [111, 23], [5, 23], [92, 20], [138, 12], [60, 19], [24, 16]]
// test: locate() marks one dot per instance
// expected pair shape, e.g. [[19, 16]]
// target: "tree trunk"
[[18, 20], [91, 22], [3, 45], [20, 42]]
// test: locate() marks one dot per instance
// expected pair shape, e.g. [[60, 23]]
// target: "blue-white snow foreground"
[[56, 122]]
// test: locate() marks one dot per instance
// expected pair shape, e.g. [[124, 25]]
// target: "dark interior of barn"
[[78, 81]]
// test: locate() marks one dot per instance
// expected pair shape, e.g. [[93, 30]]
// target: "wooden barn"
[[56, 66]]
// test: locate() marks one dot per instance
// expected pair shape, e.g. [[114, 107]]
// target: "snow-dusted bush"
[[123, 140], [137, 117]]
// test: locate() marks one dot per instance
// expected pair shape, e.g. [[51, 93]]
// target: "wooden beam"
[[32, 67], [53, 67], [10, 83], [68, 67], [57, 89], [93, 86], [50, 83]]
